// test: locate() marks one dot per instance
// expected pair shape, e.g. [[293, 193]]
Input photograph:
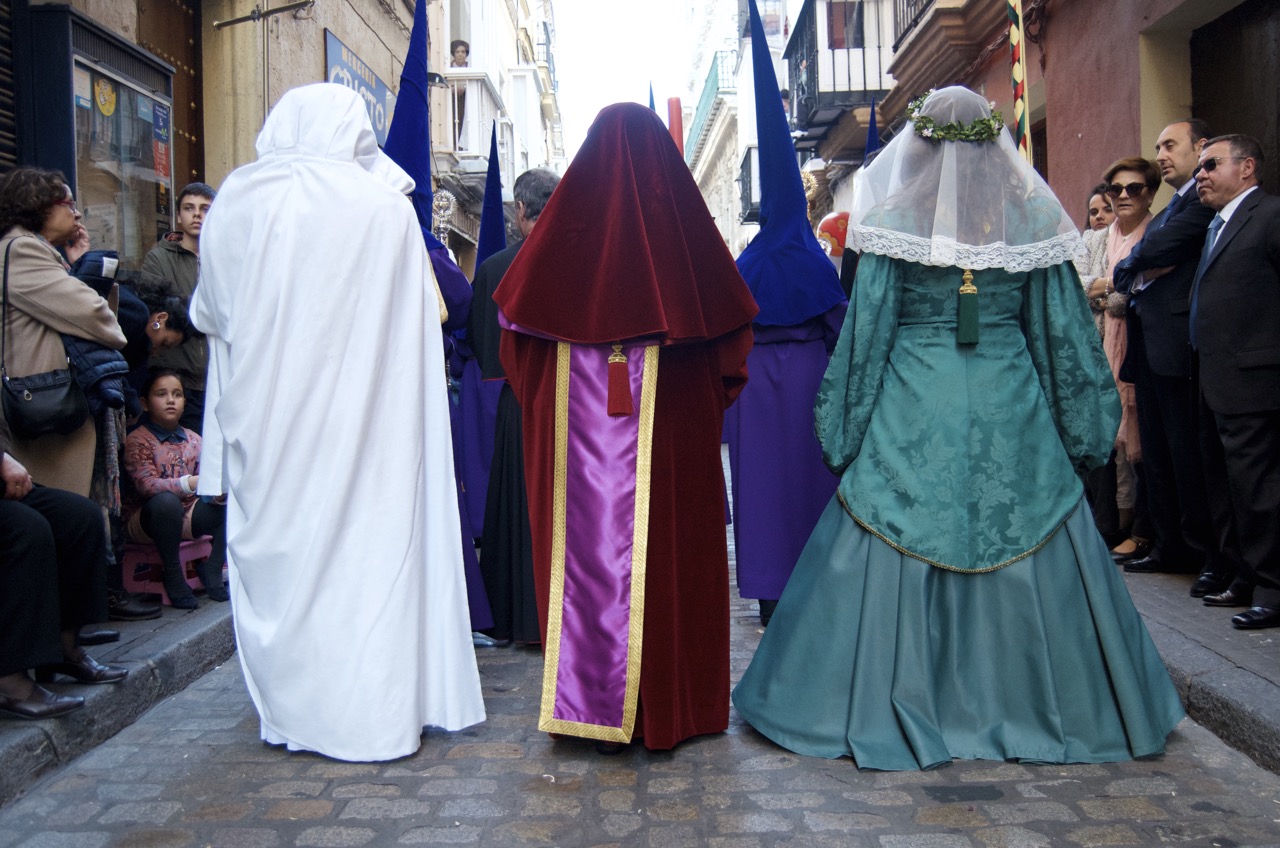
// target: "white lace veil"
[[954, 203]]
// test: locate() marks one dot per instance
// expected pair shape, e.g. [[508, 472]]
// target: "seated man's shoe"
[[121, 606], [1229, 598], [41, 703], [1209, 583], [1256, 618], [83, 669], [97, 636]]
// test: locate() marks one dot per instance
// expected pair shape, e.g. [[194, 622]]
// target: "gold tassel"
[[967, 317]]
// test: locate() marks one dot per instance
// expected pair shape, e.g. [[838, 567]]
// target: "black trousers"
[[1242, 477], [1172, 468], [53, 560]]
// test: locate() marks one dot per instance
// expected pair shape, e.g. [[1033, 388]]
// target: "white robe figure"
[[327, 427]]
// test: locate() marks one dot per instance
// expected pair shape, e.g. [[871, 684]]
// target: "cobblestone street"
[[193, 772]]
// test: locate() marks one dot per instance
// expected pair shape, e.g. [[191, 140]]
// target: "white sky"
[[608, 51]]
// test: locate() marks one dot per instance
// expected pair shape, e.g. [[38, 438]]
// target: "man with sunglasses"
[[1157, 276], [1235, 331]]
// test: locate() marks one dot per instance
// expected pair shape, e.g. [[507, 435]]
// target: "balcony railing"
[[906, 14], [473, 106], [719, 83], [546, 55], [749, 186]]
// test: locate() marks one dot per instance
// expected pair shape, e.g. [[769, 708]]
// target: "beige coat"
[[45, 302]]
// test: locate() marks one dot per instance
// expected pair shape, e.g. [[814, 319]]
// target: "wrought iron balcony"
[[719, 84], [906, 14], [839, 66]]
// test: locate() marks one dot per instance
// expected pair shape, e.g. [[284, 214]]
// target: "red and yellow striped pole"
[[1021, 119]]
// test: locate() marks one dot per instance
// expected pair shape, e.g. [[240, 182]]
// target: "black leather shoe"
[[1229, 598], [121, 606], [41, 703], [84, 669], [1209, 584], [609, 749], [1256, 618], [1145, 565], [1154, 565], [1141, 551], [97, 636]]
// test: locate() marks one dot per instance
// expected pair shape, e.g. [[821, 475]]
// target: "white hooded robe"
[[327, 426]]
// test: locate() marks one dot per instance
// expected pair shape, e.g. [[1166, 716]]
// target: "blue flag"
[[493, 226], [409, 136], [788, 273], [409, 145]]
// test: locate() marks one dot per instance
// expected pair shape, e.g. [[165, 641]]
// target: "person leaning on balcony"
[[461, 53]]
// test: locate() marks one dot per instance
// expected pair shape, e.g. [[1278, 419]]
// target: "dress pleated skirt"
[[903, 665]]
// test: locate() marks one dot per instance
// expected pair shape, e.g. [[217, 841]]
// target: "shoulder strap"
[[4, 313]]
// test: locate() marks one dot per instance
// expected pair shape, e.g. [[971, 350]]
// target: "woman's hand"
[[17, 482], [1100, 287], [78, 246]]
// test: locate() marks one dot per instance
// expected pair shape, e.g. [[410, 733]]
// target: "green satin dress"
[[956, 600]]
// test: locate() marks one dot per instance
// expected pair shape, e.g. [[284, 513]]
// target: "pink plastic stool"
[[142, 566]]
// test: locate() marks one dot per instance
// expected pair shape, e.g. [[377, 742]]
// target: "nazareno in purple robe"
[[478, 412], [456, 292], [780, 484]]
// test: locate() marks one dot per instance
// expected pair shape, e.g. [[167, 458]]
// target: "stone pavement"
[[192, 772]]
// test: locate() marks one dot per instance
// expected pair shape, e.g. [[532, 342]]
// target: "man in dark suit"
[[1157, 276], [506, 549], [1235, 331]]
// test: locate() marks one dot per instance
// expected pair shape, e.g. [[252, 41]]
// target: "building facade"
[[133, 99]]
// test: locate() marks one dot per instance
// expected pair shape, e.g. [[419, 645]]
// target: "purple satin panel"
[[600, 485]]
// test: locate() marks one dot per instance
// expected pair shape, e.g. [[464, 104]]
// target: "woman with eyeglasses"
[[1100, 484], [1131, 185], [37, 216], [53, 544]]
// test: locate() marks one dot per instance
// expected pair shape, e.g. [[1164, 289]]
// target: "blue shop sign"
[[346, 68]]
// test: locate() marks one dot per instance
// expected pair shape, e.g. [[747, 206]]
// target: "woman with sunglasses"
[[1131, 184], [37, 217]]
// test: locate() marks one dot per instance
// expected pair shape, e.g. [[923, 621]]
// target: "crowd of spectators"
[[77, 326]]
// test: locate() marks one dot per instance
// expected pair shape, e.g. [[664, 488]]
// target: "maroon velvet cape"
[[626, 250]]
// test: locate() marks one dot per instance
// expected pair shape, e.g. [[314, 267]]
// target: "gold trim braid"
[[874, 532], [555, 601]]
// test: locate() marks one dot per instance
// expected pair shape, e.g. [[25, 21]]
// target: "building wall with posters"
[[167, 92], [248, 66]]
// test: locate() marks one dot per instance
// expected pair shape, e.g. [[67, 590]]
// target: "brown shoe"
[[41, 703]]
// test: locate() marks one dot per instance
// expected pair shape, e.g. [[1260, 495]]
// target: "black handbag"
[[40, 404]]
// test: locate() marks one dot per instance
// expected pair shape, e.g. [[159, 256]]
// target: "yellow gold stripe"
[[865, 526], [640, 541], [555, 602]]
